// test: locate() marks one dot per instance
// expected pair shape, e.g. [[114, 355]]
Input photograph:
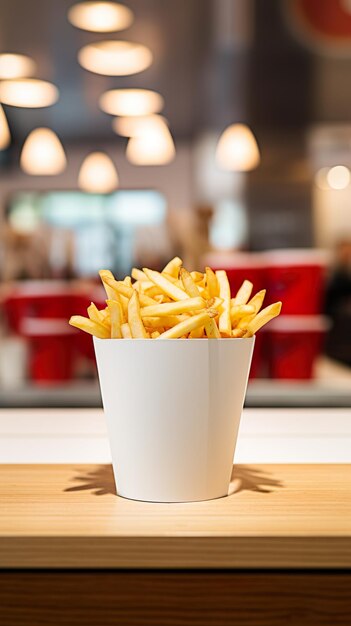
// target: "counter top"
[[276, 516]]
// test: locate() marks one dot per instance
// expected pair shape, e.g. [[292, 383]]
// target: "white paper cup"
[[173, 410]]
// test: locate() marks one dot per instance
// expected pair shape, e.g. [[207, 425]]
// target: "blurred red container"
[[294, 344], [297, 278], [44, 299], [51, 356]]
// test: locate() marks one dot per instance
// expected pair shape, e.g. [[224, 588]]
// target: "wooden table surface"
[[276, 516]]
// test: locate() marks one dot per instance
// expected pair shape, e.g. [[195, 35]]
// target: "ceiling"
[[177, 31]]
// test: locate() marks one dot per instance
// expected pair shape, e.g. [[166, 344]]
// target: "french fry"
[[211, 283], [134, 318], [188, 283], [262, 318], [104, 274], [125, 330], [198, 277], [155, 334], [127, 292], [173, 308], [238, 333], [169, 288], [240, 310], [116, 317], [138, 274], [185, 327], [89, 326], [243, 294], [197, 333], [225, 325], [128, 281], [94, 313], [211, 329], [173, 266], [167, 321], [256, 301]]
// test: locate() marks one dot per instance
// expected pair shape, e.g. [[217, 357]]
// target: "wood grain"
[[275, 516], [174, 599]]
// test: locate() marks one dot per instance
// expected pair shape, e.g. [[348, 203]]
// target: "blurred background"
[[217, 130]]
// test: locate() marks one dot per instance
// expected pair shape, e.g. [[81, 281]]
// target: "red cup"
[[294, 344], [51, 349], [297, 278]]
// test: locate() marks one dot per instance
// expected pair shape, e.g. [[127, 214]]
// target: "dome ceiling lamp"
[[237, 149], [98, 174], [115, 58], [100, 17], [43, 154]]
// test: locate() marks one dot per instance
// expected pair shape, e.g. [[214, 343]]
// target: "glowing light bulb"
[[338, 177], [152, 145], [43, 154], [131, 126], [127, 102], [16, 66], [98, 174], [28, 92], [115, 58], [237, 149], [100, 17], [5, 137]]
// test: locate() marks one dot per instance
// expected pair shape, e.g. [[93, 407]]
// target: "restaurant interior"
[[215, 130]]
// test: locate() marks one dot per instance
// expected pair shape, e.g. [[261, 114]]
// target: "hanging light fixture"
[[28, 92], [43, 154], [132, 126], [153, 144], [98, 174], [237, 149], [115, 58], [100, 17], [16, 66], [5, 137], [131, 102]]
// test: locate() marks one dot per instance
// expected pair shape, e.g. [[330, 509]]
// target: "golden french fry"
[[104, 274], [162, 298], [173, 266], [167, 321], [134, 318], [197, 333], [243, 294], [155, 334], [262, 318], [89, 326], [256, 301], [239, 311], [238, 333], [125, 330], [116, 317], [127, 292], [211, 329], [138, 274], [173, 308], [188, 283], [128, 281], [198, 277], [186, 326], [94, 313], [211, 283], [169, 288], [225, 325]]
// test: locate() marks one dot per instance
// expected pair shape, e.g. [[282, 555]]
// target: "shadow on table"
[[101, 481], [246, 478]]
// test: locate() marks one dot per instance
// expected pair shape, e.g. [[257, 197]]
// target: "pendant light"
[[153, 144], [100, 17], [98, 174], [5, 137], [237, 149], [43, 154]]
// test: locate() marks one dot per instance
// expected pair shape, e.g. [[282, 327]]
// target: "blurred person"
[[338, 305]]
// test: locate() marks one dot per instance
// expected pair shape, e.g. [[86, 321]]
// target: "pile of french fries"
[[176, 304]]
